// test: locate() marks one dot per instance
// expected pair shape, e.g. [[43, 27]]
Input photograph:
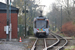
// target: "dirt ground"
[[27, 43]]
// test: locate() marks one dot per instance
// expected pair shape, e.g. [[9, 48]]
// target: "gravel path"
[[24, 45], [10, 47]]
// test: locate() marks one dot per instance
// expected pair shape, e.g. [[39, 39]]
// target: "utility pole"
[[31, 11], [73, 3], [7, 20], [34, 9], [55, 24], [10, 21], [68, 9], [61, 17], [67, 3], [25, 19]]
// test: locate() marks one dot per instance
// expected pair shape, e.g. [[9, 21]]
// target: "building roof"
[[3, 6]]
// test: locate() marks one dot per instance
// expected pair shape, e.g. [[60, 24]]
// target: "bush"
[[68, 29], [30, 30]]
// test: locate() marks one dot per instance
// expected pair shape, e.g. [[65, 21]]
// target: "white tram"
[[41, 26]]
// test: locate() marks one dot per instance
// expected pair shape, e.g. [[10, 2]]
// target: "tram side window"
[[46, 24], [35, 24]]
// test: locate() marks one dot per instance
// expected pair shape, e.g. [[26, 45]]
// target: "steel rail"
[[53, 43], [33, 48], [45, 42], [63, 44], [45, 45]]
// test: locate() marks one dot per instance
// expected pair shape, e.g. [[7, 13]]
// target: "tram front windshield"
[[40, 24]]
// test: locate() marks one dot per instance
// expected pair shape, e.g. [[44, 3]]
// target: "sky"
[[2, 1], [47, 4]]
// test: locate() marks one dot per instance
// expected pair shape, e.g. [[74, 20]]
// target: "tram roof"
[[40, 17]]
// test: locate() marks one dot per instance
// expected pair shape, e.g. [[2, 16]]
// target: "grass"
[[62, 35], [59, 34], [70, 48], [73, 37]]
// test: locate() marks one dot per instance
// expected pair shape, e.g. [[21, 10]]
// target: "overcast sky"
[[2, 1], [47, 3]]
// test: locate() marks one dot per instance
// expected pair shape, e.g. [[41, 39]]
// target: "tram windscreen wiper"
[[42, 26]]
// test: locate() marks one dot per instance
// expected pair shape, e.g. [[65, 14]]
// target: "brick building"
[[3, 20]]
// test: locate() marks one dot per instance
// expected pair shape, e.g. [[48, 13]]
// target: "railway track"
[[59, 46], [39, 44], [49, 44]]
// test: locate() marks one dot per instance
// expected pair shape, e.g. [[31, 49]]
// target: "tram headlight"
[[38, 31]]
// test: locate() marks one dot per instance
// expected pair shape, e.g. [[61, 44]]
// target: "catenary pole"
[[73, 3], [7, 19], [25, 19], [68, 8], [55, 23], [10, 21], [61, 17]]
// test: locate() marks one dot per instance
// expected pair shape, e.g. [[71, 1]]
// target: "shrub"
[[69, 29]]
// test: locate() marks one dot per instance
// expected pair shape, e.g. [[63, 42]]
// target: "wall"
[[3, 22]]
